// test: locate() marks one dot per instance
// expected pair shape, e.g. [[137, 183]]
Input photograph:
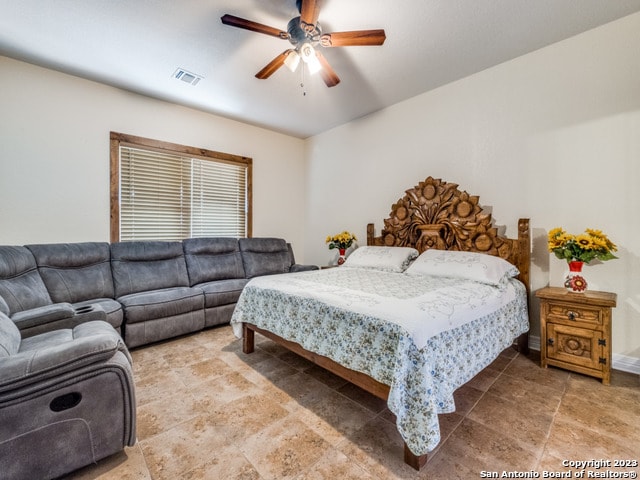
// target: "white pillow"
[[478, 267], [388, 259]]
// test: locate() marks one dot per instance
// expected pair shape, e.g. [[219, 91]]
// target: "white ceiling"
[[138, 44]]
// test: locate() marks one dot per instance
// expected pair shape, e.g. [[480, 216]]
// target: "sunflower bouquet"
[[341, 241], [590, 245]]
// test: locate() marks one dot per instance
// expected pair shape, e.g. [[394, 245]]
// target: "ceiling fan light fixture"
[[307, 51], [308, 54], [292, 60], [313, 64]]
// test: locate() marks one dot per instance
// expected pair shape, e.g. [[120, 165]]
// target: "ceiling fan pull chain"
[[304, 92]]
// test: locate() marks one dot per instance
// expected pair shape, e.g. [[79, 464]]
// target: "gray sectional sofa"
[[67, 397], [147, 290]]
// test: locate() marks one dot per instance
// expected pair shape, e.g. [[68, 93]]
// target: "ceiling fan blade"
[[234, 21], [354, 38], [273, 65], [327, 73], [309, 12]]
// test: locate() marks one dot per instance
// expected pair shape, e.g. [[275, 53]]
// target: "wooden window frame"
[[118, 139]]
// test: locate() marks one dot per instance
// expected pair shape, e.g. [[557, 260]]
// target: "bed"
[[410, 317]]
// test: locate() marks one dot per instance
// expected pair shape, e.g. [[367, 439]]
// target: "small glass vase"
[[575, 281], [342, 258]]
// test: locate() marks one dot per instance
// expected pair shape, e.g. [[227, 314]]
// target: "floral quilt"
[[423, 336]]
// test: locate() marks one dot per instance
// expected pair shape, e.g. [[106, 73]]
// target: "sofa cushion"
[[73, 272], [142, 266], [211, 259], [264, 256], [155, 304], [222, 292], [21, 286]]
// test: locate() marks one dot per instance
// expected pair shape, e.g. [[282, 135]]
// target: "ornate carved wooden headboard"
[[436, 214]]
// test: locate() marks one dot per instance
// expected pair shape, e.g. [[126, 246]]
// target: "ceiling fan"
[[305, 34]]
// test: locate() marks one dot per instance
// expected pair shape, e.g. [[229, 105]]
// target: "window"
[[164, 191]]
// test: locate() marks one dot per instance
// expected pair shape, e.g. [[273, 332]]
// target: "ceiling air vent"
[[187, 77]]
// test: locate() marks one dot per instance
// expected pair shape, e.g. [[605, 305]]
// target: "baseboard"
[[534, 343], [625, 363], [618, 362]]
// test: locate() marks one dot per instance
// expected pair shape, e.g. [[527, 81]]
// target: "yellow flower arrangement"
[[590, 245], [341, 240]]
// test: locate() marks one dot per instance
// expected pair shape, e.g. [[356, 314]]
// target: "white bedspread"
[[423, 306], [422, 336]]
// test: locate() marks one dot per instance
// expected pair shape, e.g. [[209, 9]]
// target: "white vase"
[[575, 280]]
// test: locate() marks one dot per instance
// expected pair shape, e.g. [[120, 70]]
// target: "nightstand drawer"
[[567, 314], [576, 346]]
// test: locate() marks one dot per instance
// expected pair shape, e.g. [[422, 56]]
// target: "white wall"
[[553, 136], [54, 156]]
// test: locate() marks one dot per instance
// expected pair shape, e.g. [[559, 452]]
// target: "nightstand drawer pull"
[[572, 315], [550, 341]]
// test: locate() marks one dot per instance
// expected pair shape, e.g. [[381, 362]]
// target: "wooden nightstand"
[[575, 331]]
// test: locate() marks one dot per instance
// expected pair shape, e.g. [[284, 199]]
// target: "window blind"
[[167, 196]]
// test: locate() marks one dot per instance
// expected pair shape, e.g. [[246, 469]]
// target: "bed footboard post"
[[248, 339], [413, 460], [523, 344]]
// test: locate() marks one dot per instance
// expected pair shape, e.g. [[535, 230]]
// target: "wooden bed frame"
[[432, 214]]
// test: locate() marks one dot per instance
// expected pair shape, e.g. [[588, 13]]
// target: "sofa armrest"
[[297, 267], [54, 353], [42, 315], [56, 317]]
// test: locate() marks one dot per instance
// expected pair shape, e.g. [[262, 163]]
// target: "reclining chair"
[[66, 399]]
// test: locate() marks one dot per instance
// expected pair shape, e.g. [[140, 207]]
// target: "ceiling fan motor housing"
[[298, 35]]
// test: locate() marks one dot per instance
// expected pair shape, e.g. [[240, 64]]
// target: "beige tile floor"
[[207, 411]]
